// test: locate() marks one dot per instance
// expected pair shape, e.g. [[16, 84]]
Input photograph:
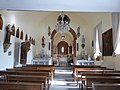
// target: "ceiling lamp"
[[62, 25]]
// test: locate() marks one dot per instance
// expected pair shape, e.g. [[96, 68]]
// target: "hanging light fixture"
[[62, 25]]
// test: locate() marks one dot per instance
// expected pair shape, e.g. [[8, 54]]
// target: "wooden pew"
[[78, 71], [47, 74], [12, 72], [105, 86], [34, 69], [81, 67], [2, 76], [44, 74], [28, 78], [38, 66], [101, 79], [20, 86], [84, 73]]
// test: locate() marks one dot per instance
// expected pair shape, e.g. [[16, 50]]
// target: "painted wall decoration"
[[1, 22], [107, 43]]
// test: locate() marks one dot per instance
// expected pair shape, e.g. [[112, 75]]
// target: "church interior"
[[70, 48]]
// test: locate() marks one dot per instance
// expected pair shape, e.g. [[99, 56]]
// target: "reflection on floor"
[[63, 80]]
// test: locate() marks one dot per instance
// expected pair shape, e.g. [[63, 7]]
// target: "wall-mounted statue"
[[21, 35], [17, 33], [1, 22], [78, 31], [43, 41], [7, 43], [83, 42], [25, 47], [13, 30], [49, 31]]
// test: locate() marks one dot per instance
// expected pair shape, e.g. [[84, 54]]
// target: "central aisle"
[[63, 79]]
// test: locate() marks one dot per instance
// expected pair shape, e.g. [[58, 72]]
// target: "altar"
[[85, 62], [63, 61], [42, 61]]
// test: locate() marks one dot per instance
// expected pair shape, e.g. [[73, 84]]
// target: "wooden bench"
[[79, 72], [78, 68], [105, 86], [28, 78], [100, 79], [20, 86], [82, 75], [38, 66], [81, 66], [34, 69]]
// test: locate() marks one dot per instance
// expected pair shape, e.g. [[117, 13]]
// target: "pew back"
[[105, 86], [20, 86]]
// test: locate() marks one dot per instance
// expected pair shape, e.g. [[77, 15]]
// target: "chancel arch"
[[58, 43]]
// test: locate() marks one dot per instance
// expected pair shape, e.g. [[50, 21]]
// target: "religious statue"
[[49, 31], [78, 32], [21, 35], [43, 41], [7, 43], [8, 33], [17, 33], [83, 42], [13, 29]]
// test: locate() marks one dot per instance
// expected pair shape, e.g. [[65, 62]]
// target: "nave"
[[63, 79]]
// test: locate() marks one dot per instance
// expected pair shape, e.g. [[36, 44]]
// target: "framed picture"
[[107, 43]]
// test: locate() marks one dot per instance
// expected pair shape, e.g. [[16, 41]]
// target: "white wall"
[[112, 62], [7, 61]]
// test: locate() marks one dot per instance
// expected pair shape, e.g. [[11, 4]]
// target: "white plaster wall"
[[117, 62], [7, 61], [112, 62]]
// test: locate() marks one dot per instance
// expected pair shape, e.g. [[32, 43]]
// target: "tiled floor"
[[63, 80]]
